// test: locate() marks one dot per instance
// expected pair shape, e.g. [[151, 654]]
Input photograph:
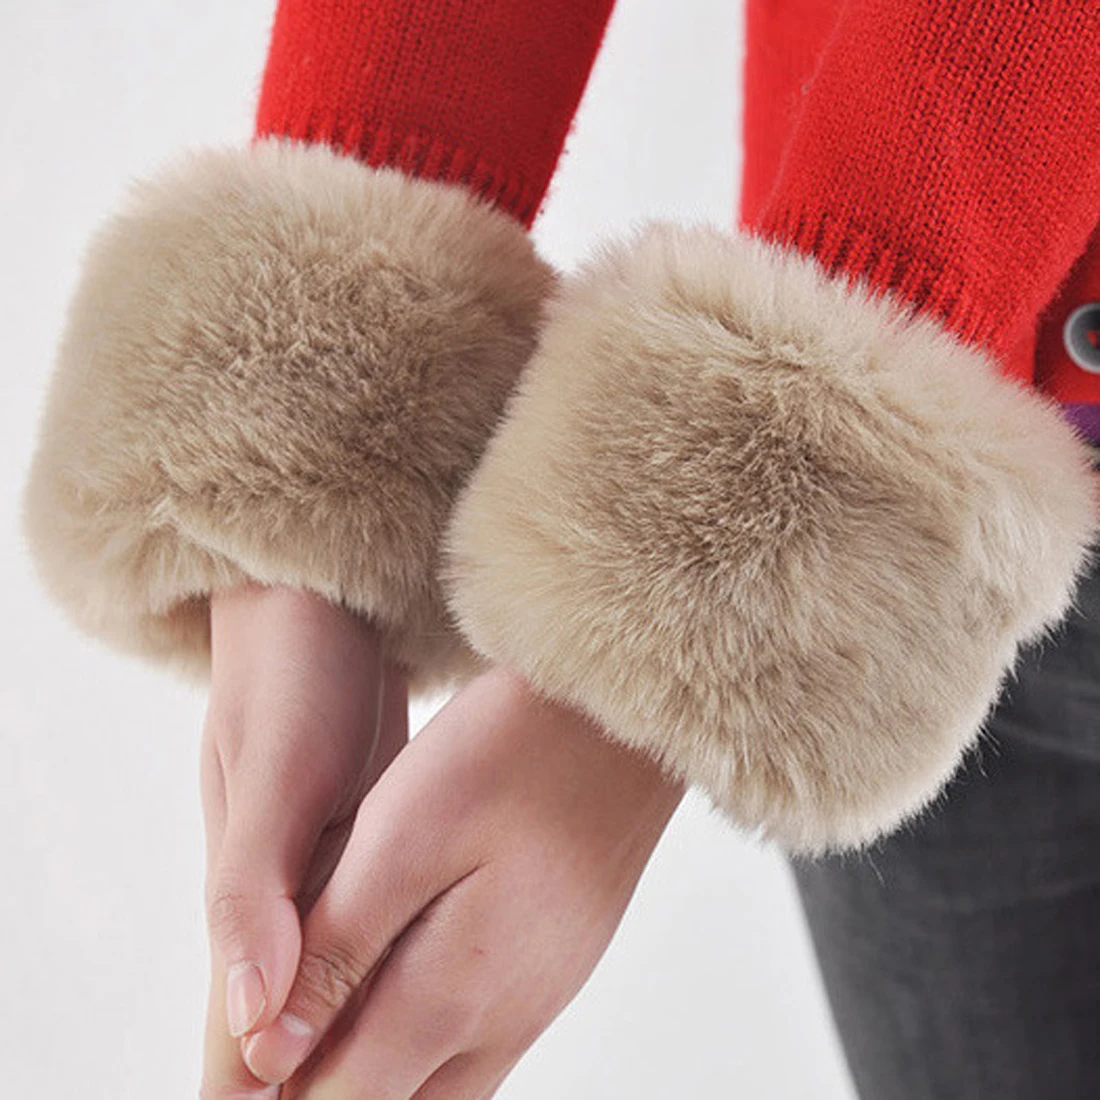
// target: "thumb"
[[296, 685], [278, 804], [253, 921]]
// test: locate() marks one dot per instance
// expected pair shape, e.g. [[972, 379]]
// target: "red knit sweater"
[[941, 149]]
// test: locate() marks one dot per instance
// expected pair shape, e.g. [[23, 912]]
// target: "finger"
[[420, 1011], [473, 1076], [212, 789], [393, 733], [326, 857], [390, 872], [405, 1029], [393, 736], [251, 913], [278, 804], [225, 1073], [395, 1073], [247, 991], [225, 1076]]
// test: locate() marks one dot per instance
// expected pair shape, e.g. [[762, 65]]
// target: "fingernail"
[[276, 1052], [245, 997], [271, 1092]]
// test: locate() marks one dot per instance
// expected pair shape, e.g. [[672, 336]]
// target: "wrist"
[[255, 609], [290, 666], [627, 791]]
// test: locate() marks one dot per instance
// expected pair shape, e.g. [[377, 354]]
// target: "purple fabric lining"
[[1085, 418]]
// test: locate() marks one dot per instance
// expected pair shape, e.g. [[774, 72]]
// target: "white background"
[[709, 990]]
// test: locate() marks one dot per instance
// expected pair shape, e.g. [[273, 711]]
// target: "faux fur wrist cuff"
[[279, 365], [777, 533]]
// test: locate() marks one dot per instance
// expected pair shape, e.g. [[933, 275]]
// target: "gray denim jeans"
[[962, 955]]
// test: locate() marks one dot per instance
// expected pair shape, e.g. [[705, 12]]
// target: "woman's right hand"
[[304, 715], [485, 876]]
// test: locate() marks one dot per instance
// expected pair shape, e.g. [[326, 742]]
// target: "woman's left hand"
[[485, 875], [304, 714]]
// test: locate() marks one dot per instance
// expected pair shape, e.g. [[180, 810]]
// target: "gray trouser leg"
[[962, 956]]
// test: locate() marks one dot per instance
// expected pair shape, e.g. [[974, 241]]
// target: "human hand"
[[304, 715], [485, 875]]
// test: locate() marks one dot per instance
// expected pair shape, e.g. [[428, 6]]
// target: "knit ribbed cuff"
[[479, 93], [937, 290], [422, 156], [940, 154]]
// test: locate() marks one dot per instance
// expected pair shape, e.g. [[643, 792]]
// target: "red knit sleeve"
[[480, 92], [945, 150], [771, 506], [306, 344], [783, 41]]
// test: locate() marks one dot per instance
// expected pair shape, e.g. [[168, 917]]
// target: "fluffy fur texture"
[[280, 365], [774, 531]]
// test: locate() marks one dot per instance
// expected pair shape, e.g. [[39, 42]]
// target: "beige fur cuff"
[[280, 365], [771, 530]]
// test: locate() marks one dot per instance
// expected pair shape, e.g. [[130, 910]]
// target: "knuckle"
[[445, 1024], [225, 915], [440, 1019], [329, 976]]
